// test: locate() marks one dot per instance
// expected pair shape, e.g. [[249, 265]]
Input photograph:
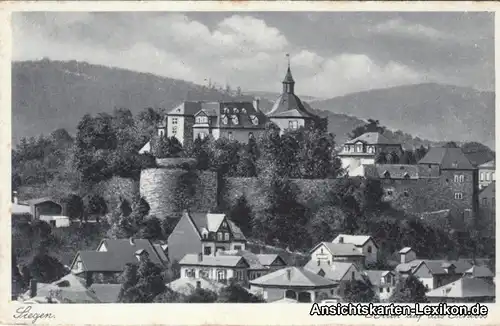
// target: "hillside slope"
[[431, 111]]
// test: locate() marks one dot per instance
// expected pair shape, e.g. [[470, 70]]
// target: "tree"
[[371, 126], [241, 214], [96, 205], [357, 291], [248, 159], [46, 269], [142, 285], [326, 221], [224, 156], [235, 293], [381, 158], [409, 290], [393, 158], [408, 158], [420, 153], [151, 229], [201, 296], [199, 151], [169, 296], [74, 206]]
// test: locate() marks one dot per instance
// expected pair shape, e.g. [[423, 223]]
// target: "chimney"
[[319, 262], [200, 257], [256, 104], [14, 197], [132, 241], [33, 288], [341, 240], [289, 274]]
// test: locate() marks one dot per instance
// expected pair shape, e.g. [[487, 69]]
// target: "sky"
[[331, 53]]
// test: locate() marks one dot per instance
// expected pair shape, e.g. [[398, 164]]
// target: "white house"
[[217, 268], [337, 252], [383, 282], [365, 244]]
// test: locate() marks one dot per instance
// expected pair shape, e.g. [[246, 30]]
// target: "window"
[[190, 272], [487, 176], [341, 240], [243, 111], [237, 247], [198, 284], [321, 251], [481, 176], [369, 249], [235, 119], [389, 192], [250, 135], [359, 148], [406, 193], [226, 236], [202, 119], [485, 202], [207, 251], [226, 110], [388, 290], [174, 121], [202, 135], [371, 149], [230, 135], [174, 130], [236, 110], [219, 236], [353, 274], [205, 235], [458, 195], [161, 132], [293, 124], [462, 178], [456, 178], [493, 176], [381, 289], [346, 148], [221, 275]]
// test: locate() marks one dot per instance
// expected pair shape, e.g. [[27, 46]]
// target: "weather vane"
[[288, 59]]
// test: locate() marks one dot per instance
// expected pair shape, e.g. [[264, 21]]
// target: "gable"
[[185, 226], [322, 252], [422, 270], [102, 246], [224, 226], [77, 258], [278, 262], [242, 263]]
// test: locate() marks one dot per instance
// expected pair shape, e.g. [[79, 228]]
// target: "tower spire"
[[288, 82]]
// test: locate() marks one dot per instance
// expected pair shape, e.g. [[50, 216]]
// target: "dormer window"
[[406, 175], [243, 111], [255, 120], [387, 174], [226, 236], [341, 240], [294, 124], [235, 119], [225, 120], [236, 110], [454, 164], [369, 249], [359, 148], [202, 119], [346, 148], [226, 110]]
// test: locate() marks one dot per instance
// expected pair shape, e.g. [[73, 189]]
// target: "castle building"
[[486, 174], [363, 150], [236, 120]]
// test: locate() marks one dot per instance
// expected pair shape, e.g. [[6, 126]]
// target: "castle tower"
[[288, 82]]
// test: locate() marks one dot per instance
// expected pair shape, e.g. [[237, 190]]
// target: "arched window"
[[304, 297], [291, 294], [369, 249]]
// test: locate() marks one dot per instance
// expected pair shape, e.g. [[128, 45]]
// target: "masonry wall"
[[170, 190]]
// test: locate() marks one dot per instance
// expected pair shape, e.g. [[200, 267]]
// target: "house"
[[363, 150], [260, 264], [479, 271], [365, 243], [383, 282], [486, 173], [206, 233], [111, 256], [220, 268], [466, 290], [487, 208], [294, 283], [338, 252], [68, 289], [436, 273], [51, 210], [288, 112], [336, 271], [187, 285], [407, 255]]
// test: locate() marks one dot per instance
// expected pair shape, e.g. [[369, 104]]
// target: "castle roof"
[[490, 164], [247, 115], [372, 138], [186, 108], [447, 158], [289, 105]]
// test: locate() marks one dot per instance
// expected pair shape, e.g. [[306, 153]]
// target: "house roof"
[[357, 240], [211, 222], [464, 288], [479, 271], [292, 277], [123, 250], [372, 138], [447, 158], [36, 201], [340, 249], [188, 108], [396, 171], [489, 164], [375, 276], [251, 258], [106, 293], [488, 191], [98, 261], [437, 267], [334, 271], [268, 259], [245, 111], [20, 209], [405, 250], [220, 260], [69, 288]]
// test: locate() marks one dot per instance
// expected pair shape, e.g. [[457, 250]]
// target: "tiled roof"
[[334, 271], [37, 201], [464, 288], [97, 261], [293, 277], [479, 271], [488, 191], [357, 240], [251, 258], [20, 209], [68, 289], [396, 171], [267, 259], [121, 249], [436, 267], [211, 223], [289, 105], [490, 164], [288, 76], [188, 108], [375, 276], [447, 158], [372, 138], [220, 260], [106, 293], [243, 110], [340, 249]]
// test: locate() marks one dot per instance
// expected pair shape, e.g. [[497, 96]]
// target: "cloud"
[[248, 49]]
